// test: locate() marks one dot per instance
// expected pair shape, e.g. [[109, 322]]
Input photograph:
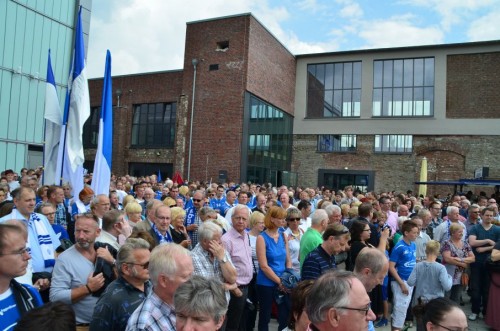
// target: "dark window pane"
[[320, 75], [347, 76], [339, 72], [329, 76], [429, 72], [408, 72], [356, 75], [398, 73], [418, 76], [153, 125], [377, 73], [388, 73]]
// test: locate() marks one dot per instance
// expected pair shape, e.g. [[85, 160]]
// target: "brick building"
[[261, 114]]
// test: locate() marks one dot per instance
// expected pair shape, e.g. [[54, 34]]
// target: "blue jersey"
[[405, 257], [218, 204], [8, 308]]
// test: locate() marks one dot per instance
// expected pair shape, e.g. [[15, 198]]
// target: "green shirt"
[[310, 240]]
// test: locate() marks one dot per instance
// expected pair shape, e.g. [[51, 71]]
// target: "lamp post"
[[195, 63]]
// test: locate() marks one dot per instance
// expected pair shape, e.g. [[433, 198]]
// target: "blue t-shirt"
[[276, 258], [405, 257], [493, 233], [8, 308], [218, 204]]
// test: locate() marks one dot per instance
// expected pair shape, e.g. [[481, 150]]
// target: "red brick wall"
[[473, 82], [219, 96], [136, 89], [271, 68]]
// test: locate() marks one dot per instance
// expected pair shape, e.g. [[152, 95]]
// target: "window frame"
[[337, 147], [389, 139], [340, 81], [147, 132], [404, 88]]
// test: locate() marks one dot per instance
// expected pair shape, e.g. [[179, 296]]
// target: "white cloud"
[[452, 11], [148, 35], [352, 10], [398, 31], [485, 28]]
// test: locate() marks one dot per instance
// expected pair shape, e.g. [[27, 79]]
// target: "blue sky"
[[146, 36]]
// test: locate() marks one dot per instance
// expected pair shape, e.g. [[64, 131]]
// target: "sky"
[[149, 35]]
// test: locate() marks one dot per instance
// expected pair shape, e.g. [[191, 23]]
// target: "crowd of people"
[[160, 255]]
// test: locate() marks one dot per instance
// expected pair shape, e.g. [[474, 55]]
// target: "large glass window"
[[268, 142], [336, 143], [403, 87], [153, 125], [393, 143], [334, 90], [91, 128]]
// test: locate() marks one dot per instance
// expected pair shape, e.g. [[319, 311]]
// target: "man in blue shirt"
[[401, 264], [322, 258], [15, 299]]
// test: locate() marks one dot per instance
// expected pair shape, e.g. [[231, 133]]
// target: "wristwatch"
[[224, 260]]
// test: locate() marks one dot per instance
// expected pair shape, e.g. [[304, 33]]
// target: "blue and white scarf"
[[43, 236], [44, 240], [162, 238]]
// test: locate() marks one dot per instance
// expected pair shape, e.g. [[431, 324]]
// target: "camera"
[[387, 226]]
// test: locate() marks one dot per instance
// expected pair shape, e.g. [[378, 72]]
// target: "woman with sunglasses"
[[294, 234]]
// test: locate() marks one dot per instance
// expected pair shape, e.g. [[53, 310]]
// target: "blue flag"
[[102, 165], [76, 112], [53, 121]]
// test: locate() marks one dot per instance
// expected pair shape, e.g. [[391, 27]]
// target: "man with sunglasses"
[[193, 221], [15, 299], [124, 295]]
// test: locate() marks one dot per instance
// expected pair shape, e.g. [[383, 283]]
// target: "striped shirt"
[[317, 263]]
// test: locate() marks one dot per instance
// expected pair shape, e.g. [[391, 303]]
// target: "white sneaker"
[[472, 317]]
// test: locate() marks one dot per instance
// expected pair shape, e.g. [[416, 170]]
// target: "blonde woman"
[[177, 228], [133, 211]]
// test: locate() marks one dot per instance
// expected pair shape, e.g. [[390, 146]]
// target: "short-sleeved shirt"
[[317, 263], [481, 233], [207, 267], [310, 240], [238, 247], [404, 256]]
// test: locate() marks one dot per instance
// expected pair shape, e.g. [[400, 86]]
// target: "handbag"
[[465, 279]]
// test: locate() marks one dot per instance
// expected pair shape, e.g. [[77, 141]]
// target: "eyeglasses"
[[365, 310], [21, 252], [457, 329], [144, 265], [293, 219]]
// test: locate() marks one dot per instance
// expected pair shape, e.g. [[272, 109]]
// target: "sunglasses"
[[144, 265], [293, 219], [197, 200]]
